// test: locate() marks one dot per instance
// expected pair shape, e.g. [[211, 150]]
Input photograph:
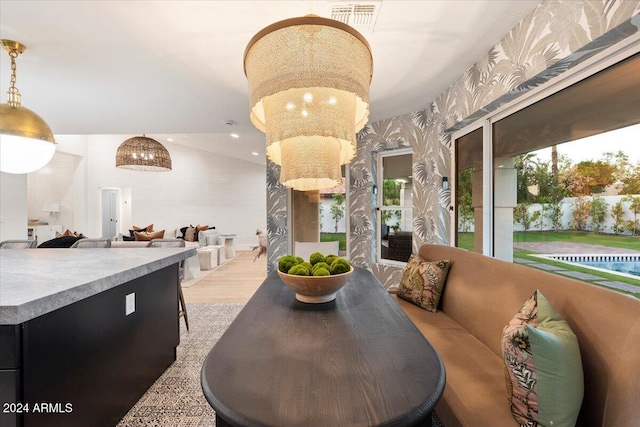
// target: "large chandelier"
[[26, 141], [309, 83], [143, 154]]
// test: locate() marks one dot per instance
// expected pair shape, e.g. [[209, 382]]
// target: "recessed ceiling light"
[[254, 153], [170, 139], [235, 135]]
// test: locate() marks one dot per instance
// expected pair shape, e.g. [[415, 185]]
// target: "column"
[[504, 200]]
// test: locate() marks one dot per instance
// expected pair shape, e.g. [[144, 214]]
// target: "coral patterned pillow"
[[543, 368], [422, 282]]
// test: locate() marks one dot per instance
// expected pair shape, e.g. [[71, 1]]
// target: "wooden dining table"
[[355, 361]]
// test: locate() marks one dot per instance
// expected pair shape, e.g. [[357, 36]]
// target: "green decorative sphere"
[[315, 258]]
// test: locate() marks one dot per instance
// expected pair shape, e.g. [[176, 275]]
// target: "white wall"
[[202, 188], [328, 224], [54, 183], [567, 215], [13, 206]]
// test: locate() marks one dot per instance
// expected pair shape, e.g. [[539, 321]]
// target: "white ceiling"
[[175, 68]]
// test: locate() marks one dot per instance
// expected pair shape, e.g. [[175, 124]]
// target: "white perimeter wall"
[[567, 216], [202, 188], [328, 224]]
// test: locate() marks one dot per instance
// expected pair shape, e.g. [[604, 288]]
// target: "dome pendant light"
[[141, 153], [26, 141]]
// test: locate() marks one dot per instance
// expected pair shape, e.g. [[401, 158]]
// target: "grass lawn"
[[465, 240], [590, 238], [332, 237]]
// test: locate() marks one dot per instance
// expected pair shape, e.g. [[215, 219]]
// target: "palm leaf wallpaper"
[[554, 37]]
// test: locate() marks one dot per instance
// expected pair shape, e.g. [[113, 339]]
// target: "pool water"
[[628, 267]]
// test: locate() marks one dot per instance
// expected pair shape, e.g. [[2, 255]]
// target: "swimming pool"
[[624, 265]]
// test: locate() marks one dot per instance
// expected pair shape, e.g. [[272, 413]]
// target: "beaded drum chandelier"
[[309, 81], [143, 154]]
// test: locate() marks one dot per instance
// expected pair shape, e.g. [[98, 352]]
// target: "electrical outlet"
[[130, 303]]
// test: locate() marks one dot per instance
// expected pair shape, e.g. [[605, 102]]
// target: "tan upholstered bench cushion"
[[475, 391]]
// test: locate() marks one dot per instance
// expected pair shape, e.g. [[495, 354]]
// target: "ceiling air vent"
[[360, 15]]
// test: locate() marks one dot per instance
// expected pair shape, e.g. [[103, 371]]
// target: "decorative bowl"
[[315, 289]]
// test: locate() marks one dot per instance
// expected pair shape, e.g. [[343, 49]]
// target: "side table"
[[229, 248], [192, 268], [211, 256]]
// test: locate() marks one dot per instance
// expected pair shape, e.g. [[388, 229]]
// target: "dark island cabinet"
[[87, 363]]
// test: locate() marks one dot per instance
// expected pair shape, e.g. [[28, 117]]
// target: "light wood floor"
[[234, 281]]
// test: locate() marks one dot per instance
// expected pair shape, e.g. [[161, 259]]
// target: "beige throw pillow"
[[148, 228], [422, 282], [190, 234], [148, 236]]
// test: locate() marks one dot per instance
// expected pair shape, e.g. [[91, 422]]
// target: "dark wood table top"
[[355, 361]]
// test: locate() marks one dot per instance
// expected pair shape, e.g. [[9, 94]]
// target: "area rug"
[[176, 399]]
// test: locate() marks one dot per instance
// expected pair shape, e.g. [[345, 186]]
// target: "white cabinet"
[[42, 233]]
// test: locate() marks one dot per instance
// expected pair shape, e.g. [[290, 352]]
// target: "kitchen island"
[[84, 332]]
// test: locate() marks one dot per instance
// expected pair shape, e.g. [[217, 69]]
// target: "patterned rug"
[[176, 399]]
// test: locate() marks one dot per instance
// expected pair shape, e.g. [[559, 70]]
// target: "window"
[[558, 179], [468, 191], [394, 205]]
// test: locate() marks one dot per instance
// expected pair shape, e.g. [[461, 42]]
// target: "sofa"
[[482, 294], [204, 238]]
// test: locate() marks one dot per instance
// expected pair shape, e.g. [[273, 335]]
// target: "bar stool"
[[92, 243], [175, 243], [18, 244]]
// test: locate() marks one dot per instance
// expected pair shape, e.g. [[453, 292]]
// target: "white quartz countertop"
[[34, 282]]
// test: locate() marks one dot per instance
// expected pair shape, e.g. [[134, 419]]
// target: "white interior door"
[[109, 213]]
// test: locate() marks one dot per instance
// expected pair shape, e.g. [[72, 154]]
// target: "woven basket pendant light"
[[143, 154]]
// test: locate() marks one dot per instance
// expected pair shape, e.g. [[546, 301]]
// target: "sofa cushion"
[[148, 236], [148, 228], [474, 394], [543, 366], [422, 282]]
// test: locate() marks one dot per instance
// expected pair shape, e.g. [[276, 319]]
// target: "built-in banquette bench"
[[481, 295]]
